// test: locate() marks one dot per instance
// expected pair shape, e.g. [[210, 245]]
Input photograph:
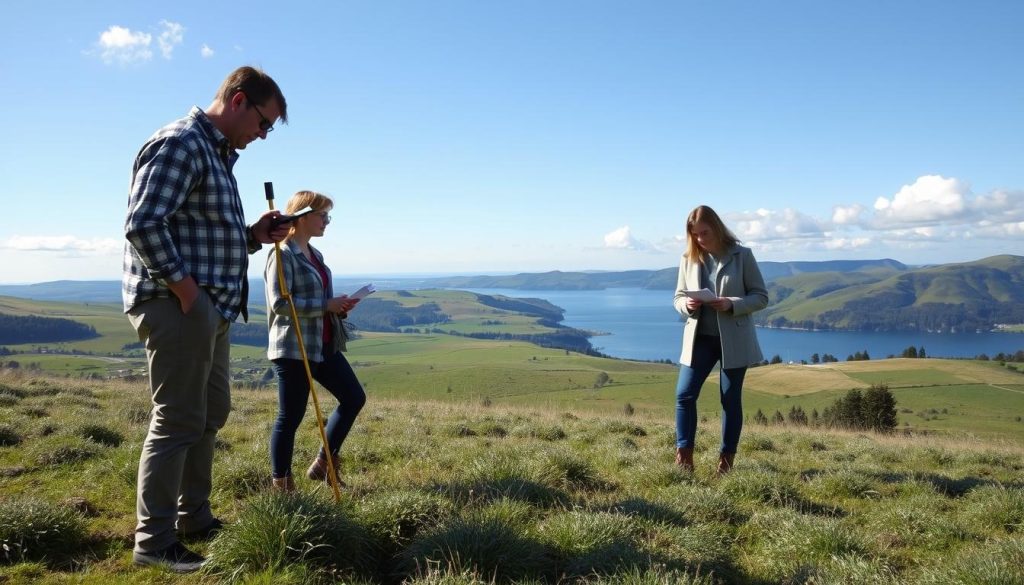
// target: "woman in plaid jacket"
[[320, 316]]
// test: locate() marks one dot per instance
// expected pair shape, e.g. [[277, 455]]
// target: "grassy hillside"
[[465, 492], [968, 296]]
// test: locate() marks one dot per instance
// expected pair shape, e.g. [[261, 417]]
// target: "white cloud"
[[123, 46], [206, 51], [931, 198], [846, 243], [847, 215], [171, 36], [784, 224], [67, 244], [622, 239]]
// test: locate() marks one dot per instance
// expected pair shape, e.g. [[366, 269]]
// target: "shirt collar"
[[217, 137]]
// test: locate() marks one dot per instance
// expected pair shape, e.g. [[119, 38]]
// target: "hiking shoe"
[[175, 558], [205, 533]]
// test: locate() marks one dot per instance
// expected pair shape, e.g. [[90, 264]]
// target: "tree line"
[[871, 410], [17, 329]]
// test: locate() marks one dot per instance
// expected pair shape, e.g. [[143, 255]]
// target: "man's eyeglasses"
[[265, 124]]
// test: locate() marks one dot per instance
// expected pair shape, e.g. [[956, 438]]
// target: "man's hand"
[[187, 292], [265, 232], [692, 304]]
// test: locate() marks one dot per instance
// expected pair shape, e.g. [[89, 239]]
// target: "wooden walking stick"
[[332, 477]]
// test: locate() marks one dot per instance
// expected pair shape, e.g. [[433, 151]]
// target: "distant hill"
[[864, 295], [950, 297], [664, 279]]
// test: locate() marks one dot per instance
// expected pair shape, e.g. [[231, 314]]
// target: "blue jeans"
[[707, 351], [335, 374]]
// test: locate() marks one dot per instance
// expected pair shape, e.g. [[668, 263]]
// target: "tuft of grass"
[[622, 427], [997, 562], [845, 483], [67, 454], [993, 509], [9, 436], [36, 530], [762, 487], [101, 434], [488, 548], [789, 547], [562, 469], [242, 476], [275, 531], [593, 543], [394, 518]]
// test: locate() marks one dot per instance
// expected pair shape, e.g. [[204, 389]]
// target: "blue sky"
[[487, 137]]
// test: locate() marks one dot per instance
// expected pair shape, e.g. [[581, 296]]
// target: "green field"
[[961, 397], [457, 490]]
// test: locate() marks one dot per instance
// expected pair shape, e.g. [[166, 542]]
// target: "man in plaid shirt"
[[185, 263]]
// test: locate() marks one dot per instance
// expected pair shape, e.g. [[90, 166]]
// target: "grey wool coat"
[[740, 280], [309, 293]]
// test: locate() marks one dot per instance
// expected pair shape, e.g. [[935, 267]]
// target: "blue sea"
[[641, 324]]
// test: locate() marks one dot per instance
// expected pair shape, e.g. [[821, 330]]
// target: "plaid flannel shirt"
[[309, 293], [185, 218]]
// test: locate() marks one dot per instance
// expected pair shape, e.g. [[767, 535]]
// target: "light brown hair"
[[706, 215], [318, 201], [256, 85]]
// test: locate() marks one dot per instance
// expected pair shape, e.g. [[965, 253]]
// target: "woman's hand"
[[692, 305], [341, 304], [721, 304]]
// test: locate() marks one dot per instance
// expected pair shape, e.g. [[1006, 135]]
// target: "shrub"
[[101, 434], [628, 428], [36, 530], [275, 530]]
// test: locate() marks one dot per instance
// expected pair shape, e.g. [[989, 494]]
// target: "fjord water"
[[641, 324]]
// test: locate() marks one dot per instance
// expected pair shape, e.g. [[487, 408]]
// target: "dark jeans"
[[707, 351], [336, 375]]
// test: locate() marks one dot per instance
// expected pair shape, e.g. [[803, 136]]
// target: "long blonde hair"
[[301, 199], [706, 215]]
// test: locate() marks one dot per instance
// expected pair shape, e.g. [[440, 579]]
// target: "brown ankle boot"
[[282, 484], [725, 462], [684, 458], [318, 469]]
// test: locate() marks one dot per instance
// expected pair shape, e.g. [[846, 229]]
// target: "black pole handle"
[[269, 188]]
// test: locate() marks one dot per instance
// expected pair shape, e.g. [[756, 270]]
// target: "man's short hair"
[[257, 86]]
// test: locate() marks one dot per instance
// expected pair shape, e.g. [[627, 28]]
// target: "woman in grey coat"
[[718, 329]]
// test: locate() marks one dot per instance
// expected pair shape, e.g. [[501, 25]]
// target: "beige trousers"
[[190, 381]]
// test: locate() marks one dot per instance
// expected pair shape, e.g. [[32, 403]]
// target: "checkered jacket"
[[309, 293], [185, 218]]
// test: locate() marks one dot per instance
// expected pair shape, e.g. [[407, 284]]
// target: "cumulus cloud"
[[930, 211], [847, 214], [623, 239], [171, 35], [206, 51], [846, 243], [64, 244], [124, 46], [785, 224], [931, 198]]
